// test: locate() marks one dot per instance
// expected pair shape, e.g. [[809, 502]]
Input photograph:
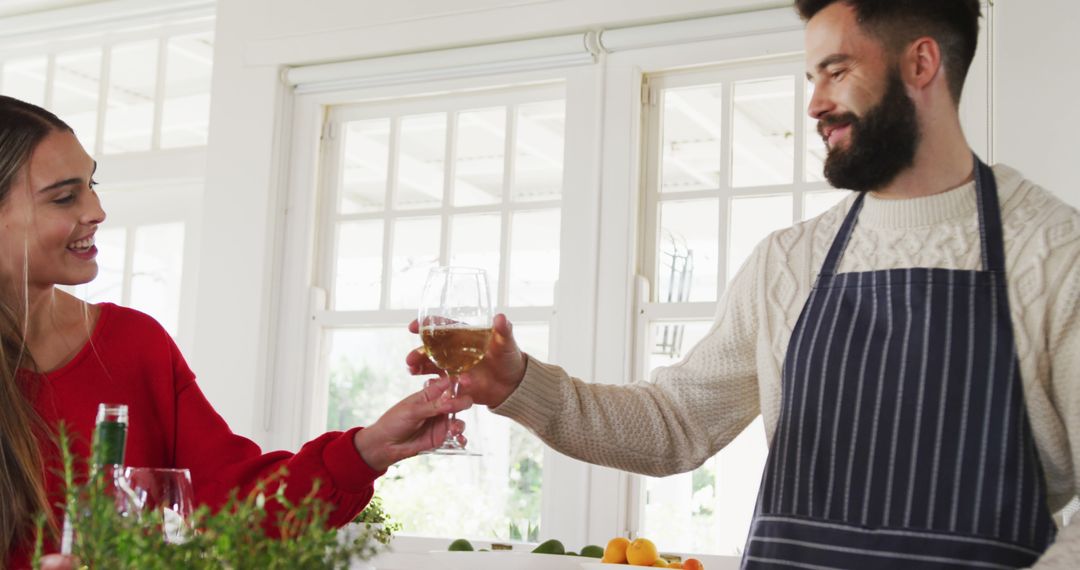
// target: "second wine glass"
[[154, 491], [455, 325]]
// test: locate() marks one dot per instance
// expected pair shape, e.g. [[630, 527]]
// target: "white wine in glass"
[[455, 326]]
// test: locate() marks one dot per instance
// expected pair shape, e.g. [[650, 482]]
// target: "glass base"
[[451, 446], [452, 451]]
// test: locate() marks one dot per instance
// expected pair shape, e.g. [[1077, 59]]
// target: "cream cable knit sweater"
[[692, 409]]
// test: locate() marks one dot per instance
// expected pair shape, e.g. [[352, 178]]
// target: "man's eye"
[[838, 74], [65, 199], [93, 183]]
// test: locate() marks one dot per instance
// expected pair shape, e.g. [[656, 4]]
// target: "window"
[[470, 179], [141, 251], [729, 159], [141, 92], [145, 90]]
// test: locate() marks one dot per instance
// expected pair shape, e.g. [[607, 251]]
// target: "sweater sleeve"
[[670, 425], [1064, 354], [221, 461]]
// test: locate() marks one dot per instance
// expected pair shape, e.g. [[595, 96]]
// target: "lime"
[[461, 545], [550, 547], [592, 551]]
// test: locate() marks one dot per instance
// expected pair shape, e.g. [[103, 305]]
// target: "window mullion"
[[129, 265], [800, 150], [727, 153], [103, 99], [159, 93], [509, 164], [388, 225], [449, 173], [50, 80]]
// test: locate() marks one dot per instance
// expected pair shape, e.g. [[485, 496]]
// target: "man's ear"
[[920, 63]]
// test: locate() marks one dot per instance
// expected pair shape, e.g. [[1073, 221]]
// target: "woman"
[[62, 356]]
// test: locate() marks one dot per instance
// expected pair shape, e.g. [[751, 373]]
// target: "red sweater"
[[131, 360]]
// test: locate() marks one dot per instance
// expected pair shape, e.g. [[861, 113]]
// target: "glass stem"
[[453, 415]]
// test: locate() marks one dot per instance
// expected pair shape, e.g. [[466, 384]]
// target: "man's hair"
[[954, 25]]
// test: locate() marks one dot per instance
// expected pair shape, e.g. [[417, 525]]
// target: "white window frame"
[[301, 305]]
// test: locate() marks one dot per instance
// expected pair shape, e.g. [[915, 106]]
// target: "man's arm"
[[1064, 355], [670, 425]]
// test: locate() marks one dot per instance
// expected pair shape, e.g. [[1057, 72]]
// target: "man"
[[915, 351]]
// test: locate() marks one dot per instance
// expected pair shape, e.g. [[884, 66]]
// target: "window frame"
[[301, 303]]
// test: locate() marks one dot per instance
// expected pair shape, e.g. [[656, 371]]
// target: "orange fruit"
[[675, 565], [642, 552], [692, 564], [615, 553]]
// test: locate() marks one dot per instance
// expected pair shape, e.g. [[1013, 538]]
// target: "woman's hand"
[[493, 380], [417, 423], [59, 562]]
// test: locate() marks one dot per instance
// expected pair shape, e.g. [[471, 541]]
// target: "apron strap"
[[990, 232], [832, 260], [993, 241]]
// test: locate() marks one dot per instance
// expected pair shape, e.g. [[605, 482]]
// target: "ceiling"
[[20, 7]]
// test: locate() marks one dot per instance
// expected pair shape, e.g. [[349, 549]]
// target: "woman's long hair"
[[22, 472]]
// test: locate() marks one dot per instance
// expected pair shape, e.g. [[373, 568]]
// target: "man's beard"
[[881, 144]]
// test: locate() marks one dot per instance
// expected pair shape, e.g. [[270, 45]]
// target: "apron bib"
[[903, 439]]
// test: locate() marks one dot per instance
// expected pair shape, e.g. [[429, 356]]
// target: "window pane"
[[109, 283], [25, 79], [691, 138], [481, 154], [358, 271], [476, 497], [752, 220], [532, 339], [815, 145], [687, 251], [421, 161], [534, 258], [709, 509], [416, 250], [75, 93], [474, 242], [186, 112], [818, 202], [156, 272], [764, 132], [672, 341], [538, 162], [129, 120], [364, 166]]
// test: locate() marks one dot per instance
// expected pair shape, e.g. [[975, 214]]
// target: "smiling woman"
[[62, 356]]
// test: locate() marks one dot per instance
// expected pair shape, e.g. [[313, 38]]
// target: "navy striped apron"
[[903, 439]]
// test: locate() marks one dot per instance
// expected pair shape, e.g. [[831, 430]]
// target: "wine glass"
[[151, 489], [455, 326]]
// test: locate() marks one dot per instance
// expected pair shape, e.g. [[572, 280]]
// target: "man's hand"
[[493, 380], [417, 423]]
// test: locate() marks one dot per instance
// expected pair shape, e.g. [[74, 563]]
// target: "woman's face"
[[50, 216]]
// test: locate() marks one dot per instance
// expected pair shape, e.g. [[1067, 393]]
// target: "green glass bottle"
[[110, 435]]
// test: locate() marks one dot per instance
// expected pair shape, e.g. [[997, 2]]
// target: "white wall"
[[286, 31], [1034, 124], [1036, 82]]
